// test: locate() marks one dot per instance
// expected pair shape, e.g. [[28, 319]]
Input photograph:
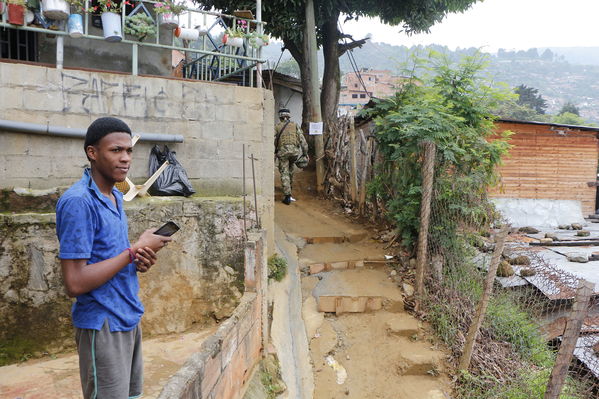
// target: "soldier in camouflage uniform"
[[290, 145]]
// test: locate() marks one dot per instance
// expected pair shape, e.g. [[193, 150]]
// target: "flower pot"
[[258, 42], [111, 25], [168, 20], [16, 14], [187, 34], [75, 25], [56, 9], [233, 41]]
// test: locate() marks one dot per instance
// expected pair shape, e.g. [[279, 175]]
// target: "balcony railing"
[[206, 58]]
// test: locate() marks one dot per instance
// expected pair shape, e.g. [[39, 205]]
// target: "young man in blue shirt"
[[99, 266]]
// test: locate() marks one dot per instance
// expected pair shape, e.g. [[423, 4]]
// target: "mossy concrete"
[[198, 278]]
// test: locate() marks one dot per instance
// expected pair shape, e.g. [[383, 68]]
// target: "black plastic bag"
[[173, 180]]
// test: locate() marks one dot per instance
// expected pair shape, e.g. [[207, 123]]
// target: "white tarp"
[[521, 212]]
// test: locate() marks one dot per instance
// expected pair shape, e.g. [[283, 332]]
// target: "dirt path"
[[364, 345], [59, 378]]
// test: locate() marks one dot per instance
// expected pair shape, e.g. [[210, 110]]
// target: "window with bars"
[[16, 44]]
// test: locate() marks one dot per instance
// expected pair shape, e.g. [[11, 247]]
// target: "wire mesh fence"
[[531, 308]]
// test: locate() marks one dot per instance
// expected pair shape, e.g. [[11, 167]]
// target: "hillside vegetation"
[[557, 73]]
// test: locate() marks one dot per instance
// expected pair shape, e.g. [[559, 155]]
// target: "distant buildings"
[[376, 83]]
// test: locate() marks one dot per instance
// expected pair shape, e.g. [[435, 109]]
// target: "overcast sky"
[[508, 24]]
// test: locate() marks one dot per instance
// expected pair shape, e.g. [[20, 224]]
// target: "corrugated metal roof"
[[591, 128]]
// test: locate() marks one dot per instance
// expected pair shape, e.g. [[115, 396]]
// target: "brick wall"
[[226, 360]]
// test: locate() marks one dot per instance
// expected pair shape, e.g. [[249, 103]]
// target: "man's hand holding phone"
[[150, 242]]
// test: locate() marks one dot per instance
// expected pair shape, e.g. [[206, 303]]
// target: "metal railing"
[[207, 58]]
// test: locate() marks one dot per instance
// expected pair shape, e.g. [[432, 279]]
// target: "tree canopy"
[[530, 97], [286, 19], [569, 107]]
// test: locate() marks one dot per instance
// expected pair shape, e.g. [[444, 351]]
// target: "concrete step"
[[345, 252], [419, 364], [349, 304], [403, 325], [336, 239], [356, 290], [316, 268]]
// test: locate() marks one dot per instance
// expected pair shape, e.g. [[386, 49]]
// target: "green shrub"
[[451, 108], [277, 267]]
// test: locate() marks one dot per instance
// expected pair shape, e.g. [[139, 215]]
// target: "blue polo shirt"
[[90, 227]]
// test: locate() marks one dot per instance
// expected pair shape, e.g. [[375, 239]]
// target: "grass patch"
[[510, 323], [277, 267], [270, 377], [530, 384]]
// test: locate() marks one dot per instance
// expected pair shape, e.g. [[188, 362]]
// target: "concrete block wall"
[[215, 119], [225, 361]]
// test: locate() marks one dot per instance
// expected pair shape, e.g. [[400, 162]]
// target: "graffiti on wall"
[[94, 95]]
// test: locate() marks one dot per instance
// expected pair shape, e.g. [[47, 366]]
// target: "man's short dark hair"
[[102, 127]]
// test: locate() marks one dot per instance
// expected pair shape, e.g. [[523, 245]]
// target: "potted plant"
[[234, 36], [187, 33], [140, 25], [56, 9], [168, 12], [111, 18], [16, 12], [257, 40], [75, 21]]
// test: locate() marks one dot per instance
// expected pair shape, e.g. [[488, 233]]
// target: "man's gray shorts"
[[110, 363]]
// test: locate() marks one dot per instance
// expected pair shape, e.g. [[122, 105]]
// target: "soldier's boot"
[[287, 200]]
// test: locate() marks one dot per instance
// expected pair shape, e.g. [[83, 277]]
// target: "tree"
[[569, 107], [289, 67], [510, 109], [286, 21], [547, 55], [531, 98], [532, 53], [568, 118]]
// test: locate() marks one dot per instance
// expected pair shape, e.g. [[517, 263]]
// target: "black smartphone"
[[168, 229]]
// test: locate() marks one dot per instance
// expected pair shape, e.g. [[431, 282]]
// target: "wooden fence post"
[[365, 171], [353, 168], [484, 301], [566, 349], [428, 171]]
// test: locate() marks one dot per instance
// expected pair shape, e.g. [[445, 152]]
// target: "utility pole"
[[314, 112]]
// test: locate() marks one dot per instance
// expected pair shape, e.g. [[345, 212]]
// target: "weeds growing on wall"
[[277, 267]]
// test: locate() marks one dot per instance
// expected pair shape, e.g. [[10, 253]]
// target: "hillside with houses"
[[559, 74]]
